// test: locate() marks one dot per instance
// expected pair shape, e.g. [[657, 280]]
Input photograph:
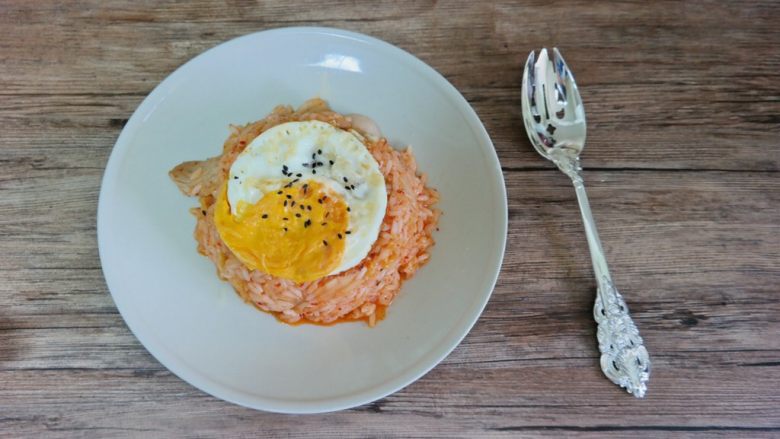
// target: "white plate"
[[195, 324]]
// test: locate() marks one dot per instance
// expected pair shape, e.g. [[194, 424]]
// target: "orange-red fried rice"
[[360, 293]]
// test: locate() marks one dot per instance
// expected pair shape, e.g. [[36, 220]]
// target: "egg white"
[[332, 155]]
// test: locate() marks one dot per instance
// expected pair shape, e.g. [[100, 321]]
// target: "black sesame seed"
[[324, 224], [235, 177], [348, 232], [292, 204], [325, 242], [299, 175], [352, 187], [286, 219], [313, 171], [319, 164], [203, 212], [313, 156], [279, 193], [346, 180], [285, 203], [319, 151], [327, 214], [308, 207], [349, 210], [307, 223], [296, 180], [265, 215], [339, 235], [297, 215], [319, 200], [289, 196], [331, 162], [285, 167], [285, 228], [306, 165], [346, 187], [303, 207]]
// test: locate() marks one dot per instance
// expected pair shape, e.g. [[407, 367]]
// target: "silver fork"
[[554, 119]]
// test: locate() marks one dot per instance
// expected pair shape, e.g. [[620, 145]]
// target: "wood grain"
[[683, 102]]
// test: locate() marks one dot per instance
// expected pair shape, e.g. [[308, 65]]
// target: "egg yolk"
[[296, 232]]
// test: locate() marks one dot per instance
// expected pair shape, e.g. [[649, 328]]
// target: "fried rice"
[[360, 293]]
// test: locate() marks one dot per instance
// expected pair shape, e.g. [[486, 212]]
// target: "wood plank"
[[449, 401]]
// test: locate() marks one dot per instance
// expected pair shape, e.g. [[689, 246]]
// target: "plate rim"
[[400, 380]]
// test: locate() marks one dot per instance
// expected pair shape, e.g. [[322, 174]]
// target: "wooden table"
[[683, 102]]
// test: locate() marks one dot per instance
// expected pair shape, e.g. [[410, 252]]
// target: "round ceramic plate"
[[195, 324]]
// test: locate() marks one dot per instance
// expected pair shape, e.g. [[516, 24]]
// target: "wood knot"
[[686, 317]]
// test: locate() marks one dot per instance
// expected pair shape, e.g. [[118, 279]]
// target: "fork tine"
[[565, 79], [561, 73], [529, 84], [544, 94], [529, 99], [554, 89]]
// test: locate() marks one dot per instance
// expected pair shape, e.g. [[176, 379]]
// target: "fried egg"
[[304, 200]]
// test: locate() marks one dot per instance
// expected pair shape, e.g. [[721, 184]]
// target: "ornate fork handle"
[[624, 359]]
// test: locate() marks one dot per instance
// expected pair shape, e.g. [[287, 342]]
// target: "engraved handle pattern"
[[624, 359]]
